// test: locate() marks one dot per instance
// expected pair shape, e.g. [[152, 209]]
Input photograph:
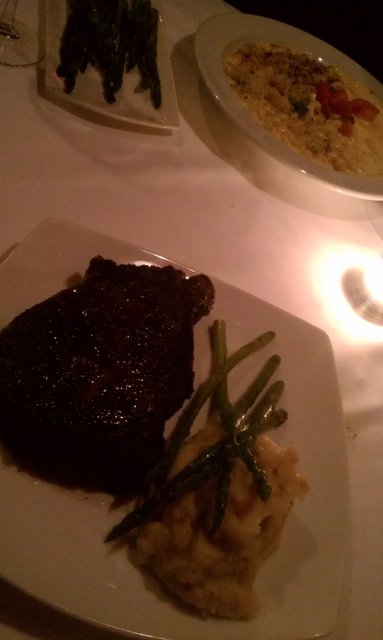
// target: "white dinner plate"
[[132, 106], [51, 538], [223, 34]]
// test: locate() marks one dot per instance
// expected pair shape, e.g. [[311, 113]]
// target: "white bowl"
[[220, 35]]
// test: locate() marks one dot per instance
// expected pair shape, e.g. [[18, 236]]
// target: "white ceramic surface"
[[132, 106], [220, 35], [51, 538]]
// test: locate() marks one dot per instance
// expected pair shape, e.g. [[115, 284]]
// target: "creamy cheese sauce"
[[278, 87]]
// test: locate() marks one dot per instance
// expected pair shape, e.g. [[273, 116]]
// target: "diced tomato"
[[364, 109], [346, 127], [323, 97], [335, 101], [336, 96], [339, 103]]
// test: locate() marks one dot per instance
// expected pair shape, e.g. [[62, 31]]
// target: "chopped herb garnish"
[[300, 105]]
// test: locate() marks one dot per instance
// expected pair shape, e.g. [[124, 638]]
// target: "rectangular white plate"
[[132, 106], [51, 538]]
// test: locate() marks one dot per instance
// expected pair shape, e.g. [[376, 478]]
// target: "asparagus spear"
[[113, 36], [206, 466], [220, 398], [232, 417], [203, 393], [217, 461], [145, 20], [74, 55]]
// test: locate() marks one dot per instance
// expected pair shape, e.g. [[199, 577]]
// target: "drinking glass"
[[19, 46]]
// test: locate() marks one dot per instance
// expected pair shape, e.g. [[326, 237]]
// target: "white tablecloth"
[[206, 197]]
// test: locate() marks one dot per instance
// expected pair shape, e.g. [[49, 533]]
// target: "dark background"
[[355, 29]]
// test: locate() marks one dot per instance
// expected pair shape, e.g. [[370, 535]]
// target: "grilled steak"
[[89, 376]]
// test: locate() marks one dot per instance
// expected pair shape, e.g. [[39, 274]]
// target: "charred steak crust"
[[89, 376]]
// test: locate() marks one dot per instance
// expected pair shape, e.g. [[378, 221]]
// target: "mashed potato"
[[215, 574], [279, 89]]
